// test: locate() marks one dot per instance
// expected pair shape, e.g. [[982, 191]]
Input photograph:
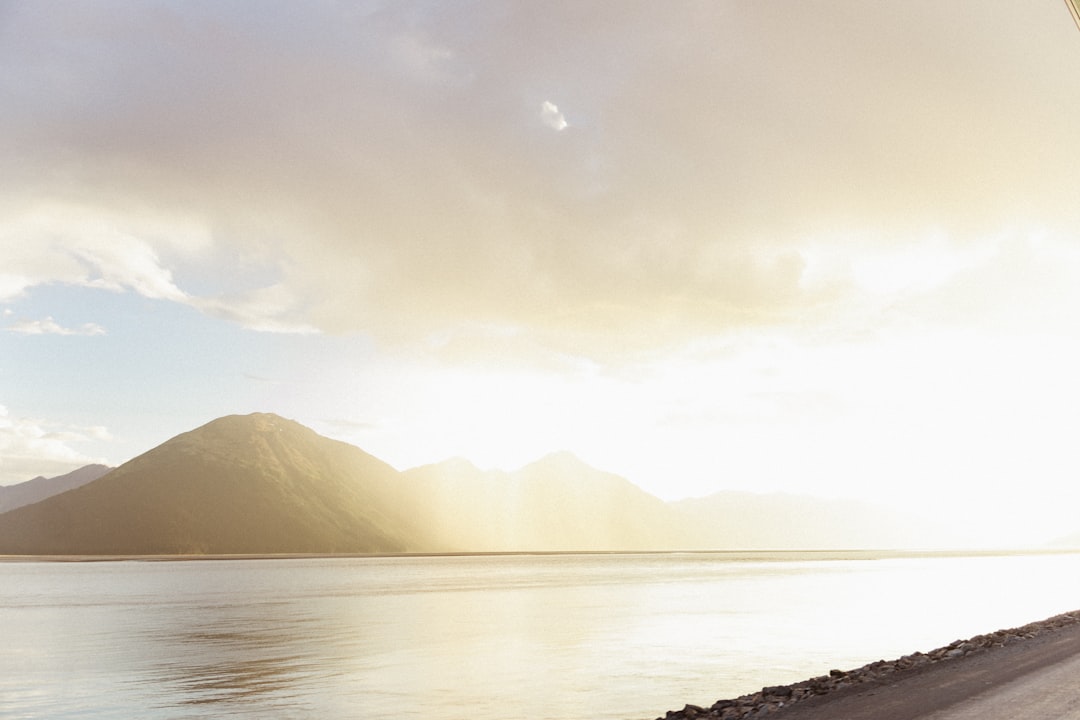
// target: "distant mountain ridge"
[[780, 521], [261, 484], [556, 503], [40, 488]]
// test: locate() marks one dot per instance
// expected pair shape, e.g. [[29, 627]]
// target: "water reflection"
[[560, 637], [246, 658]]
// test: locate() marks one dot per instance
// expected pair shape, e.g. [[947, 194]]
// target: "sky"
[[824, 247]]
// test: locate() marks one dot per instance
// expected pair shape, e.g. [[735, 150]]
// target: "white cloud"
[[31, 447], [268, 309], [48, 326], [549, 113], [127, 263], [395, 202], [66, 244], [12, 286]]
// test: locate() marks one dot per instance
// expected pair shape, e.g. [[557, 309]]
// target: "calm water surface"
[[559, 637]]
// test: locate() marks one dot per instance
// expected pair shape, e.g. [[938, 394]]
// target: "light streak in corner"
[[1074, 8]]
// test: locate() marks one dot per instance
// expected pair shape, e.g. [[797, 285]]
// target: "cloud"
[[266, 309], [69, 243], [383, 165], [31, 447], [48, 326], [128, 264], [551, 116], [107, 250]]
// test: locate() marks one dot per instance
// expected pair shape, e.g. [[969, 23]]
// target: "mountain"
[[557, 503], [743, 520], [36, 490], [261, 484], [240, 484]]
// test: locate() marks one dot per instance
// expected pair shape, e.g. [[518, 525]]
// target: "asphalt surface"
[[1036, 678], [1052, 692]]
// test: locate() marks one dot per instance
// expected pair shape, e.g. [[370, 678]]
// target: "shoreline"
[[771, 555], [786, 701]]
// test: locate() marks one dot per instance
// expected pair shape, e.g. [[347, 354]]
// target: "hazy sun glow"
[[818, 250]]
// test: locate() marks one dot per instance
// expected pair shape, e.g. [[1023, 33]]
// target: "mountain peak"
[[258, 421], [562, 461], [238, 484]]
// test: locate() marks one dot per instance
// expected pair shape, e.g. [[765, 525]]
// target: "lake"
[[555, 637]]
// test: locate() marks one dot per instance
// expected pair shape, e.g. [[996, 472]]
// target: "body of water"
[[545, 637]]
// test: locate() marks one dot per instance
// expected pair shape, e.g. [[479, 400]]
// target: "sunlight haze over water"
[[613, 637]]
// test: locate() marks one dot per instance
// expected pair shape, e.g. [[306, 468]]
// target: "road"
[[1036, 678], [1051, 692]]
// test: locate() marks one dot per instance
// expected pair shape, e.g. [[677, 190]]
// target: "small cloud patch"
[[549, 113], [48, 326]]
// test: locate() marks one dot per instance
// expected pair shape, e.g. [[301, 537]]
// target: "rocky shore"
[[770, 700]]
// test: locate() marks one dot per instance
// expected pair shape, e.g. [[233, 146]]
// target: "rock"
[[772, 698], [780, 691]]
